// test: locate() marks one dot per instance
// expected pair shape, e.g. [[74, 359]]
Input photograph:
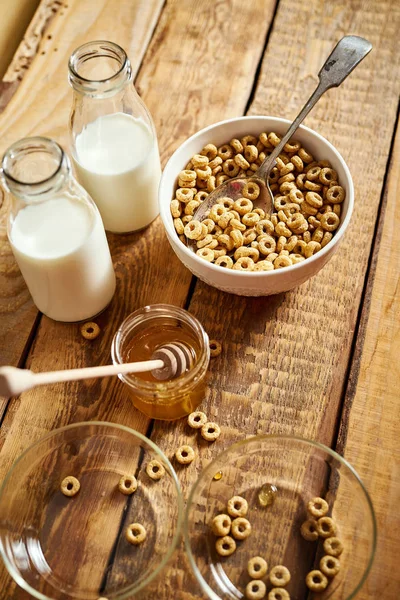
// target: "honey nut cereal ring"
[[155, 470], [271, 257], [202, 243], [90, 330], [255, 590], [197, 419], [282, 261], [324, 164], [210, 432], [300, 181], [243, 206], [224, 261], [175, 208], [333, 546], [200, 196], [226, 240], [314, 199], [236, 224], [221, 177], [305, 156], [260, 212], [237, 507], [326, 175], [257, 567], [253, 253], [286, 178], [337, 209], [237, 238], [274, 176], [326, 239], [288, 168], [212, 245], [135, 534], [226, 202], [278, 593], [335, 194], [210, 224], [216, 212], [215, 348], [179, 226], [314, 221], [210, 151], [282, 229], [236, 145], [330, 221], [290, 209], [273, 139], [313, 187], [251, 190], [297, 162], [221, 525], [127, 485], [184, 455], [264, 227], [203, 173], [280, 202], [295, 222], [250, 219], [249, 139], [307, 237], [296, 258], [280, 244], [187, 175], [263, 137], [230, 167], [206, 254], [326, 527], [311, 248], [299, 247], [70, 486], [193, 230], [186, 219], [211, 183], [309, 531], [318, 235], [191, 206], [292, 146], [317, 507], [225, 546], [216, 162], [266, 244], [241, 528], [225, 151], [308, 209], [199, 161], [249, 236], [245, 263], [291, 243], [313, 173], [264, 265], [282, 216], [261, 157], [286, 187], [219, 251], [329, 565], [279, 576], [250, 153], [316, 581], [241, 162], [184, 194]]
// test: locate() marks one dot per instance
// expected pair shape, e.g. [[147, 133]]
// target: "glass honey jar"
[[139, 336]]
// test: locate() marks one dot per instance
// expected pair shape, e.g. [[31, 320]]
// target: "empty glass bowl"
[[278, 476], [58, 547]]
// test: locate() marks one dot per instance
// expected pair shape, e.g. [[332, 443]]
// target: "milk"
[[117, 162], [63, 254]]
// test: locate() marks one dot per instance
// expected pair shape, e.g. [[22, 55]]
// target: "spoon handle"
[[346, 55]]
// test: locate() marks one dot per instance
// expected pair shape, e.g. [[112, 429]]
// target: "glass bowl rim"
[[133, 589], [264, 437]]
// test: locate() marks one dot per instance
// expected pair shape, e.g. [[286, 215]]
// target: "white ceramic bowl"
[[263, 283]]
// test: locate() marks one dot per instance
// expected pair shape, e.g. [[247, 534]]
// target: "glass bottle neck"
[[35, 168], [99, 69]]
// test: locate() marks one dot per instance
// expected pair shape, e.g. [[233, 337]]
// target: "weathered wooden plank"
[[285, 358], [370, 429], [177, 69]]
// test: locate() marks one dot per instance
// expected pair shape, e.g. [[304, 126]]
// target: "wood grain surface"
[[285, 358]]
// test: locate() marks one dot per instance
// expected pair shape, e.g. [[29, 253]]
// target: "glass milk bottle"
[[56, 232], [113, 141]]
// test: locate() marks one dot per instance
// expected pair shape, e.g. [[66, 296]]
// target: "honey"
[[267, 494], [218, 476], [141, 334]]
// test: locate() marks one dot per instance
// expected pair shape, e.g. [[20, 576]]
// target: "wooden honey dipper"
[[167, 362]]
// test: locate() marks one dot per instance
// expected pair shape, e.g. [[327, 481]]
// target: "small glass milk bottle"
[[113, 140], [56, 232]]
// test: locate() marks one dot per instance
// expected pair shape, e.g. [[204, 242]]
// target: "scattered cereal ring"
[[127, 484], [279, 576], [318, 507], [278, 593], [309, 530], [221, 525], [255, 590], [90, 330], [70, 486], [224, 261], [316, 581], [257, 567], [326, 527], [184, 455], [197, 419], [225, 546], [155, 470], [215, 348], [135, 534], [210, 432], [237, 506], [333, 546], [329, 565], [241, 528]]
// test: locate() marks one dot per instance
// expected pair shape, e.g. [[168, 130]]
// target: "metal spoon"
[[347, 54]]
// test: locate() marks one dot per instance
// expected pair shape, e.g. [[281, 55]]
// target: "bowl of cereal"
[[256, 254], [90, 510], [280, 517]]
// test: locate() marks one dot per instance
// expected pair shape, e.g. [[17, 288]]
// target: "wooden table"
[[321, 361]]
